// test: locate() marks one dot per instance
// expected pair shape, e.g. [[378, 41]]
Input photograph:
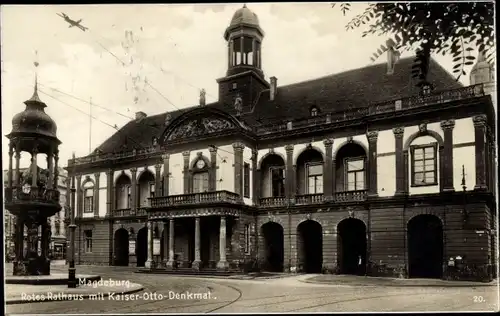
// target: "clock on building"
[[200, 164]]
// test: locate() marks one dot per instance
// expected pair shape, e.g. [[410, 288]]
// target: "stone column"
[[45, 243], [255, 178], [34, 167], [133, 192], [97, 186], [212, 175], [327, 170], [166, 174], [19, 242], [238, 168], [447, 168], [109, 191], [222, 264], [79, 196], [158, 179], [480, 137], [165, 244], [187, 178], [9, 174], [197, 253], [334, 178], [56, 169], [372, 163], [171, 245], [289, 174], [17, 181], [400, 160], [50, 167], [149, 262]]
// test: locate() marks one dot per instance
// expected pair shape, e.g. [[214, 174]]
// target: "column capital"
[[238, 146], [328, 142], [158, 166], [398, 131], [372, 136], [479, 120], [97, 175], [447, 124], [133, 170], [186, 154], [110, 172], [149, 224], [213, 149], [78, 176], [288, 148], [165, 156], [255, 154]]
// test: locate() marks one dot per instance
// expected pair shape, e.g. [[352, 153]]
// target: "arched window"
[[424, 164], [88, 202], [314, 112]]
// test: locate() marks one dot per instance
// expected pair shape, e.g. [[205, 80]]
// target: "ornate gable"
[[199, 126]]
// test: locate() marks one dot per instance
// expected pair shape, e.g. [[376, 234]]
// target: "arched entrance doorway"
[[351, 239], [141, 246], [310, 246], [273, 246], [121, 247], [425, 247]]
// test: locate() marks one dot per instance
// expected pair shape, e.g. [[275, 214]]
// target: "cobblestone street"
[[287, 294]]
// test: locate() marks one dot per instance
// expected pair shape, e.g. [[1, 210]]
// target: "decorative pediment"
[[200, 126]]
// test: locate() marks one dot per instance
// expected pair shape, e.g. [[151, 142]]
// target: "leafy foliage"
[[454, 29]]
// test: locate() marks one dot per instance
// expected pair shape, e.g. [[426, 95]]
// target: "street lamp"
[[72, 228]]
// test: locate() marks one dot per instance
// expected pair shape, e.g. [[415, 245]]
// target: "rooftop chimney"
[[392, 56], [140, 115], [274, 88]]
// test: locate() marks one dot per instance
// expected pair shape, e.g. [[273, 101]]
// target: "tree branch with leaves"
[[455, 29]]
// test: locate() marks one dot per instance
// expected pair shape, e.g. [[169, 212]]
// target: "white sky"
[[302, 41]]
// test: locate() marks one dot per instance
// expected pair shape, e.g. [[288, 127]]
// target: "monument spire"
[[35, 97]]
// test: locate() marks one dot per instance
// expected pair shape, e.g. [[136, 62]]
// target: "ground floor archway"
[[121, 247], [351, 238], [273, 246], [310, 246], [141, 247], [425, 247]]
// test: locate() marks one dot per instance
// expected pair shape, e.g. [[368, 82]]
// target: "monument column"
[[17, 181], [222, 264], [9, 174], [197, 259]]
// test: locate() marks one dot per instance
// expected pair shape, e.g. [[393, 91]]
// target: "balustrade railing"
[[195, 198], [435, 97], [31, 194], [350, 196], [273, 201], [309, 198], [130, 212]]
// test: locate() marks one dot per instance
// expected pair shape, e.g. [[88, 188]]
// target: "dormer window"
[[314, 112], [426, 89]]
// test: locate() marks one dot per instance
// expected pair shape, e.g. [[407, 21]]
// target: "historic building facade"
[[358, 172], [57, 225]]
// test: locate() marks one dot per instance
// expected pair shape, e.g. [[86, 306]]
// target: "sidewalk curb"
[[402, 284], [84, 296]]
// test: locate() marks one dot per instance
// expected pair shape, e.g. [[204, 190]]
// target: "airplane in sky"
[[73, 22]]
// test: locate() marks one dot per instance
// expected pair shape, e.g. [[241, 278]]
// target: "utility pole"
[[72, 228]]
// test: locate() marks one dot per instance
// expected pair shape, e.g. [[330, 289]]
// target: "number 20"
[[478, 299]]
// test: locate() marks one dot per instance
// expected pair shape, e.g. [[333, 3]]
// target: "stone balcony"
[[308, 199], [19, 199], [195, 199]]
